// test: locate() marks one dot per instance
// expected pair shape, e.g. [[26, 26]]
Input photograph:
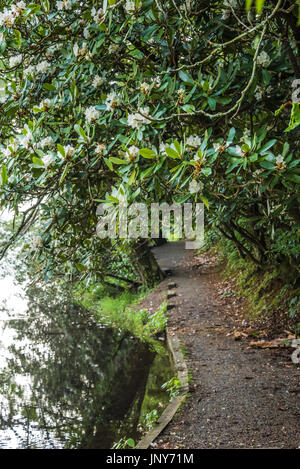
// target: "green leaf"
[[80, 132], [259, 6], [115, 160], [172, 153], [267, 146], [132, 178], [37, 161], [267, 165], [18, 37], [293, 177], [146, 153], [130, 442], [61, 150], [64, 173], [4, 175], [186, 77], [49, 87], [248, 4], [108, 163], [212, 103], [231, 135]]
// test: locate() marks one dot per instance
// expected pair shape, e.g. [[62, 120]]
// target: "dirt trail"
[[240, 397]]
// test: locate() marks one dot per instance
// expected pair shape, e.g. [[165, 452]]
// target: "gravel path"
[[240, 397]]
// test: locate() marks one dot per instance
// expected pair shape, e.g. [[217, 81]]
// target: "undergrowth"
[[272, 291]]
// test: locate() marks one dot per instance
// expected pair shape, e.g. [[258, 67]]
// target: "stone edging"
[[182, 374]]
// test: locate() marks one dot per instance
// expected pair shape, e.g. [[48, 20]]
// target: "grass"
[[117, 311]]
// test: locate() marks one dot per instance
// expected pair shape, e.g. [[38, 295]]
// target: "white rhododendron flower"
[[263, 59], [45, 104], [111, 101], [113, 48], [132, 152], [7, 18], [47, 160], [10, 149], [43, 67], [97, 15], [91, 114], [238, 150], [280, 163], [180, 93], [162, 149], [69, 151], [139, 118], [97, 81], [232, 3], [27, 140], [15, 60], [46, 142], [99, 149], [30, 70], [144, 87], [279, 159], [193, 141], [129, 6], [64, 5], [18, 8], [156, 81], [258, 93]]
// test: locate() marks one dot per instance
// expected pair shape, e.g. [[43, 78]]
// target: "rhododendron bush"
[[162, 100]]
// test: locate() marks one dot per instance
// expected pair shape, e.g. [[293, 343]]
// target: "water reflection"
[[69, 382]]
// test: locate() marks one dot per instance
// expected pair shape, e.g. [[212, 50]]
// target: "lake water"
[[67, 381]]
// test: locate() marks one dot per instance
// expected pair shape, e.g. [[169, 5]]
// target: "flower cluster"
[[97, 81], [139, 118], [27, 140], [193, 141], [64, 5], [132, 153], [82, 51], [43, 67], [69, 151], [263, 59], [144, 87], [8, 17], [47, 160], [111, 101], [46, 142], [97, 15], [91, 114], [280, 163], [15, 60], [45, 104], [129, 6], [99, 149]]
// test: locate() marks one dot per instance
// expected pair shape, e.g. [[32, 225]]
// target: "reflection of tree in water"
[[86, 382]]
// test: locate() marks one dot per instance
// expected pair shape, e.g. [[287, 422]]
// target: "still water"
[[67, 381]]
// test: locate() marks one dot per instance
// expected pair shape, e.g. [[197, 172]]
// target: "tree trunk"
[[145, 263]]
